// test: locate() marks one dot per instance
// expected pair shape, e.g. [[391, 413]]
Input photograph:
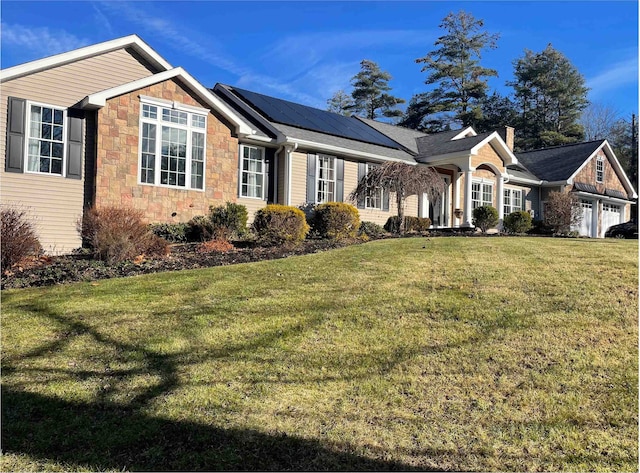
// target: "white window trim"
[[599, 161], [367, 199], [334, 180], [241, 171], [482, 182], [512, 207], [27, 136], [161, 103]]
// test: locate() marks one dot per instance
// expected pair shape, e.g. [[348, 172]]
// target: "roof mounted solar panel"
[[302, 116]]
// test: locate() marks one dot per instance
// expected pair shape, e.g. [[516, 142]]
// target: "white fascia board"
[[506, 152], [522, 180], [133, 41], [469, 131], [343, 151], [555, 183], [258, 138], [604, 198], [99, 99]]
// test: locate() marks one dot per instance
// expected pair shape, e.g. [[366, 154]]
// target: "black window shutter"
[[268, 182], [362, 171], [311, 178], [14, 158], [74, 144], [385, 200], [339, 180]]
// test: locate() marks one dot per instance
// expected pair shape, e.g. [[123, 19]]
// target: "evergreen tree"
[[460, 81], [623, 138], [497, 112], [340, 103], [370, 97], [550, 95]]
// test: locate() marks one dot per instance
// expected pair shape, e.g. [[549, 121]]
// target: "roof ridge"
[[562, 146]]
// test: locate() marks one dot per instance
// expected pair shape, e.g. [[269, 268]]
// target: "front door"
[[439, 210]]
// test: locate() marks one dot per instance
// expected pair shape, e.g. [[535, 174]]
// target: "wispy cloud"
[[39, 42], [102, 20], [617, 75]]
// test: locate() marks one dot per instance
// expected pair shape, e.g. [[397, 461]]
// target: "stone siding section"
[[588, 175], [117, 179]]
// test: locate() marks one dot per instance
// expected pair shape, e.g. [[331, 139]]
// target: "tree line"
[[548, 105]]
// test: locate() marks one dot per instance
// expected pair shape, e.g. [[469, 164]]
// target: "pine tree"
[[454, 67], [550, 94], [370, 87], [497, 112], [340, 103]]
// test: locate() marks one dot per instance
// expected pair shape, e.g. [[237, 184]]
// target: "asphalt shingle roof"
[[558, 163], [441, 143], [404, 136]]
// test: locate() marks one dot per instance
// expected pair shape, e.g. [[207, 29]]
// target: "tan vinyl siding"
[[56, 203], [488, 155], [252, 205], [298, 179]]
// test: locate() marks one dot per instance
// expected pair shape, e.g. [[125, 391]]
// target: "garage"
[[611, 215], [585, 227]]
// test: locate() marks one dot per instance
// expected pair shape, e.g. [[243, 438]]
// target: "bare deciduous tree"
[[598, 121], [562, 211], [403, 180]]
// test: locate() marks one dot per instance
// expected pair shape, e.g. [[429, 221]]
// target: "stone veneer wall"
[[118, 155]]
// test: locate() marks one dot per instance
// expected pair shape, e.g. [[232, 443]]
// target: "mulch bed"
[[47, 271]]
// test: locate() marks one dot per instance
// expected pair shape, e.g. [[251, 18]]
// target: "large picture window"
[[172, 146], [252, 170], [512, 200], [46, 139], [481, 194], [326, 179]]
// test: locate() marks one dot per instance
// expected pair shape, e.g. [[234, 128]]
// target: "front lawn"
[[460, 354]]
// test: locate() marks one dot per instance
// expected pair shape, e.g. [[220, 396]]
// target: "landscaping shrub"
[[485, 217], [336, 220], [172, 232], [371, 230], [229, 220], [538, 227], [517, 222], [562, 211], [199, 228], [411, 224], [277, 224], [17, 237], [116, 234], [215, 246]]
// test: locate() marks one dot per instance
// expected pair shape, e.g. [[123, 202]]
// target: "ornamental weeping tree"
[[403, 180]]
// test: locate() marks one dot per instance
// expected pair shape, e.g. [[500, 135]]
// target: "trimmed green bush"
[[229, 220], [485, 217], [517, 222], [371, 230], [277, 224], [172, 232], [18, 238], [336, 220], [199, 228], [411, 224]]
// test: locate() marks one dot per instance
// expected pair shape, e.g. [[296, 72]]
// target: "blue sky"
[[305, 51]]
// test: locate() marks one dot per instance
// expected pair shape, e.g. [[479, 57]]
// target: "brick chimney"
[[508, 134]]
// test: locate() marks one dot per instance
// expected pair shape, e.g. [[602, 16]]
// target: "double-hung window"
[[46, 139], [252, 172], [172, 145], [481, 194], [512, 200], [325, 179], [599, 169], [374, 196]]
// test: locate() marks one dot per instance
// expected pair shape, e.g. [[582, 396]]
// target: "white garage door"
[[611, 215], [584, 228]]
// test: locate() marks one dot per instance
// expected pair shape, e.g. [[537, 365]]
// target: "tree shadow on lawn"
[[101, 437]]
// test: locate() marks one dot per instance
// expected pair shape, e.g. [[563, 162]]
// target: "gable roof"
[[444, 143], [131, 41], [558, 163]]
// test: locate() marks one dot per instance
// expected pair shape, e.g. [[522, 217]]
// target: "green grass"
[[432, 354]]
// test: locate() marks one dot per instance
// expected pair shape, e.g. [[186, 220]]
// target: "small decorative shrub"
[[538, 227], [199, 228], [18, 238], [172, 232], [371, 230], [116, 234], [517, 222], [485, 217], [411, 224], [336, 220], [276, 224], [229, 220], [562, 211], [215, 246]]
